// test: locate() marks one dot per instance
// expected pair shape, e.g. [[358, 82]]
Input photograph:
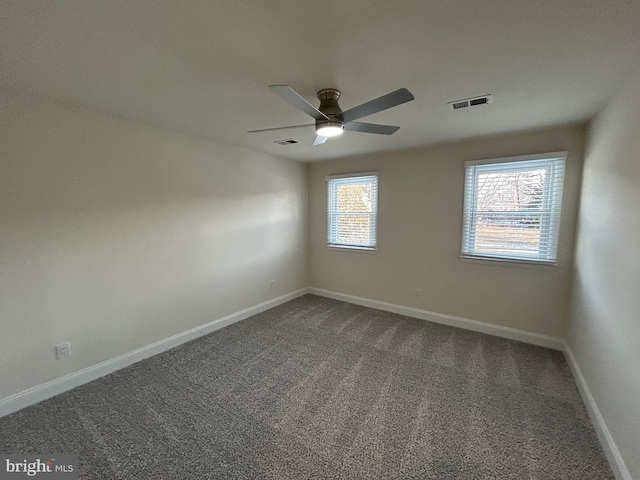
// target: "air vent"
[[470, 102], [287, 141]]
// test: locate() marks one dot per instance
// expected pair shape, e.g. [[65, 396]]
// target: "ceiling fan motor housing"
[[329, 106]]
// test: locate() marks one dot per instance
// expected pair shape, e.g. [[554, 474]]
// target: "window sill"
[[347, 248], [507, 262]]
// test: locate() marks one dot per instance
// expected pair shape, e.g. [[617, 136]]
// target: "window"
[[352, 208], [512, 208]]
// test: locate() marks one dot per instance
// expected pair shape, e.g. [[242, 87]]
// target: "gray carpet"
[[317, 388]]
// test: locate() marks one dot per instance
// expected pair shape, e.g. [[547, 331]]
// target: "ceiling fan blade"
[[371, 128], [319, 140], [397, 97], [291, 96], [280, 128]]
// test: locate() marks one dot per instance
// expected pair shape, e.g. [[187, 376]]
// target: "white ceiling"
[[203, 67]]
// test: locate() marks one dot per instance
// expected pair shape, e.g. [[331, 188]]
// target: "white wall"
[[420, 222], [114, 235], [604, 330]]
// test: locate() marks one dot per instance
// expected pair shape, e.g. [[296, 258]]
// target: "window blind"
[[512, 208], [352, 208]]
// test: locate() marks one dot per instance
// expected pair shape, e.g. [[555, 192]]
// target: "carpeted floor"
[[316, 389]]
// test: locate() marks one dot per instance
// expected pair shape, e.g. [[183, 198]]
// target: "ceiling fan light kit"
[[330, 129], [332, 121]]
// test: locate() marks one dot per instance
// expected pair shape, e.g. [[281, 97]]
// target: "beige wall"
[[114, 235], [604, 330], [419, 232]]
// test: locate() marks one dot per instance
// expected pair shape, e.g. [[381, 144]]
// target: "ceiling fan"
[[331, 120]]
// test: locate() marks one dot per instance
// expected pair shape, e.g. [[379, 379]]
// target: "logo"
[[50, 467]]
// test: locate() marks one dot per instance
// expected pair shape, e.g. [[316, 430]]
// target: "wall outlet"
[[63, 350], [417, 293], [272, 284]]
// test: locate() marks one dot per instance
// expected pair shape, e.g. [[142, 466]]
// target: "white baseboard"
[[465, 323], [59, 385], [46, 390], [611, 450], [618, 466]]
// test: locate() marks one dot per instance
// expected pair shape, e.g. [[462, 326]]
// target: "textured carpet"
[[317, 388]]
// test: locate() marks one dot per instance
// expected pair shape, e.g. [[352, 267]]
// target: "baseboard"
[[59, 385], [54, 387], [465, 323], [618, 466], [606, 440]]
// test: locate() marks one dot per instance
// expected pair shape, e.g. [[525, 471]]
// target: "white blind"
[[512, 208], [352, 209]]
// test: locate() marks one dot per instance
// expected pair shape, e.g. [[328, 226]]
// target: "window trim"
[[373, 214], [467, 234]]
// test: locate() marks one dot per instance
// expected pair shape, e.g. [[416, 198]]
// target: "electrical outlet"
[[272, 284], [63, 350], [417, 293]]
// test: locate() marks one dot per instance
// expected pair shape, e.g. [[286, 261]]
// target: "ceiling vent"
[[470, 102], [287, 141]]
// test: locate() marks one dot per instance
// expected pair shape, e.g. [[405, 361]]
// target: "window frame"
[[551, 208], [332, 183]]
